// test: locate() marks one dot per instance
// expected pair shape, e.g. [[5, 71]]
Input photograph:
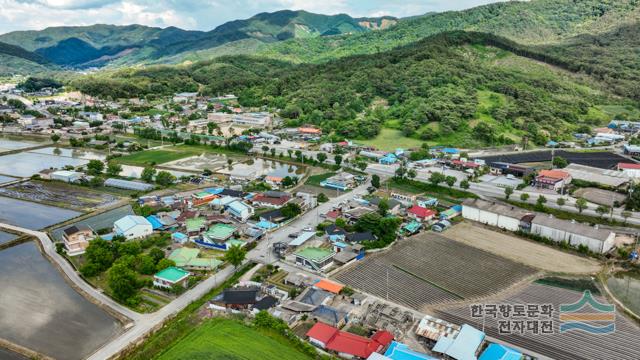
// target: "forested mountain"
[[14, 59], [101, 44], [533, 22], [459, 87]]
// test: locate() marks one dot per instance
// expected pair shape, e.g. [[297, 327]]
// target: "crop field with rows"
[[620, 345]]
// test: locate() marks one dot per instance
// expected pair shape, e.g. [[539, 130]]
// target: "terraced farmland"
[[432, 269], [620, 345]]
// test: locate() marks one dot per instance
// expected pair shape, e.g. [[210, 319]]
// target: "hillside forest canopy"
[[460, 87]]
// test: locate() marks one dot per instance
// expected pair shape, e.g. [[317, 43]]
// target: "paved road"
[[308, 220]]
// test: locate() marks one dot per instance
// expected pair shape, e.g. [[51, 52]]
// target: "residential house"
[[132, 227], [342, 181], [274, 216], [348, 345], [171, 276], [202, 198], [420, 213], [238, 298], [188, 258], [315, 258], [553, 179], [260, 119], [240, 211], [76, 239], [631, 170], [273, 199]]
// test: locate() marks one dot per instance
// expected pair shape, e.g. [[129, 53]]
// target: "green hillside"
[[455, 88], [16, 60], [529, 22], [98, 45]]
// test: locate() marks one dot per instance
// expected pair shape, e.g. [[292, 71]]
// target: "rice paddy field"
[[572, 345], [162, 156], [430, 269], [59, 194], [224, 339]]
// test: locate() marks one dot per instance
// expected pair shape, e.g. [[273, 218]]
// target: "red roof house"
[[623, 166], [341, 342], [421, 213]]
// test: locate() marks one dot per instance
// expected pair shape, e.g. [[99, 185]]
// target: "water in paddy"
[[6, 237], [9, 355], [72, 153], [40, 311], [31, 215], [8, 143], [625, 287], [25, 164]]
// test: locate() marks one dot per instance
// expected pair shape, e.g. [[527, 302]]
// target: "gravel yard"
[[521, 250]]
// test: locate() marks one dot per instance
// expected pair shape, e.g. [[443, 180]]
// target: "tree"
[[322, 157], [581, 204], [626, 214], [147, 174], [122, 281], [322, 198], [338, 159], [95, 167], [164, 263], [561, 202], [524, 197], [560, 162], [96, 181], [156, 254], [235, 255], [540, 203], [165, 178], [375, 181], [464, 184], [287, 181], [412, 174], [145, 264], [113, 168], [450, 180], [55, 138], [602, 209], [100, 254], [508, 191], [265, 149], [436, 178], [291, 210], [299, 156], [383, 207], [273, 152]]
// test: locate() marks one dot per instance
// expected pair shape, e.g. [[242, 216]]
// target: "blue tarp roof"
[[266, 225], [179, 235], [450, 150], [399, 351], [500, 352], [214, 191], [155, 223]]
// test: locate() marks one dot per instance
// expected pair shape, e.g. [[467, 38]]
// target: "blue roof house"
[[500, 352], [388, 159], [132, 227], [155, 222], [240, 210]]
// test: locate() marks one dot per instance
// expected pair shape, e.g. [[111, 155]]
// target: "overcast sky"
[[196, 14]]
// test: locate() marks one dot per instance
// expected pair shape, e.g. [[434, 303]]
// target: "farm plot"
[[461, 269], [371, 276], [599, 159], [520, 250], [59, 194], [619, 345], [432, 269], [97, 222]]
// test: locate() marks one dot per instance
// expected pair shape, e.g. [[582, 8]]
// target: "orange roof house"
[[329, 286]]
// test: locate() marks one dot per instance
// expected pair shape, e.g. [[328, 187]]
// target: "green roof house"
[[218, 233], [187, 258], [195, 226], [315, 258], [171, 276]]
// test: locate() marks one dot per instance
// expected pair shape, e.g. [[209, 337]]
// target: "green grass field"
[[391, 139], [229, 339], [315, 180], [142, 158]]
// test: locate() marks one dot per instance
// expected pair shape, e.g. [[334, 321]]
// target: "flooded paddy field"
[[6, 179], [72, 153], [10, 143], [9, 355], [97, 222], [32, 215], [25, 164], [135, 172], [6, 237], [59, 194], [255, 168], [625, 286], [40, 311], [199, 163]]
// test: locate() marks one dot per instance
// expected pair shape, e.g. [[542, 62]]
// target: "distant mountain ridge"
[[100, 44]]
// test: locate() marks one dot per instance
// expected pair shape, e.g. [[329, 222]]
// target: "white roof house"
[[132, 227], [66, 176]]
